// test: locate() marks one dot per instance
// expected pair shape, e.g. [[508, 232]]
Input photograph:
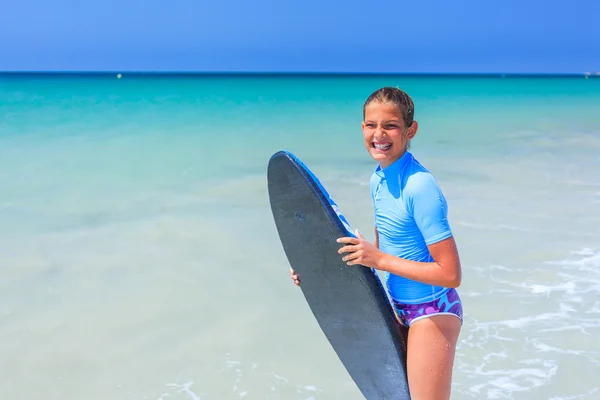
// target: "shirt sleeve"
[[429, 208]]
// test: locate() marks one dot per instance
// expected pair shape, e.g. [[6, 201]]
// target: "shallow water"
[[139, 259]]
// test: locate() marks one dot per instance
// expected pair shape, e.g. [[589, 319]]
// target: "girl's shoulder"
[[418, 179]]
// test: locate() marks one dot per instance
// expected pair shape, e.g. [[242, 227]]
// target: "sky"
[[435, 36]]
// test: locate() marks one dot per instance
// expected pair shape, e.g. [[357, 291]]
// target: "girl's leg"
[[430, 357]]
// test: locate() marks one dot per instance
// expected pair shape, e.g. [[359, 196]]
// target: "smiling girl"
[[414, 245]]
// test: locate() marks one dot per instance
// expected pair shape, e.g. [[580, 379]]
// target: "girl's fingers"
[[351, 256], [348, 249], [349, 240]]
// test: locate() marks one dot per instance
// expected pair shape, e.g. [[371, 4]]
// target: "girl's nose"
[[379, 134]]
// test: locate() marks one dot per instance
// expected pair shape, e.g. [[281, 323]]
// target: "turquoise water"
[[138, 257]]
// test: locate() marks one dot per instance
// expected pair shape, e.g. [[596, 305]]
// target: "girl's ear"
[[411, 132]]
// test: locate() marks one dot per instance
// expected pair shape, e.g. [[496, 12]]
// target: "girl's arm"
[[444, 271]]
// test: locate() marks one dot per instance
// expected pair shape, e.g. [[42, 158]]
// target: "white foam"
[[568, 287], [501, 355], [524, 321], [547, 348], [585, 396], [243, 379], [311, 388], [502, 383], [587, 259], [562, 318], [183, 388]]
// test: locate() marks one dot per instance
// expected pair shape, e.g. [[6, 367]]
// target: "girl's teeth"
[[382, 146]]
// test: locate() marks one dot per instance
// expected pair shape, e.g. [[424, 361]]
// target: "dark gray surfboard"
[[349, 303]]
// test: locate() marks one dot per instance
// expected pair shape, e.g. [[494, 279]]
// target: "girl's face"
[[385, 133]]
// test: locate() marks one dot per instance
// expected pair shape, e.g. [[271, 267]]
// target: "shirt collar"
[[395, 167]]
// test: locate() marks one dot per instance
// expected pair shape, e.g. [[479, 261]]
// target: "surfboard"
[[349, 303]]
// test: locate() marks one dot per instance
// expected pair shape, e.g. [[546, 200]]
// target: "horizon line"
[[297, 73]]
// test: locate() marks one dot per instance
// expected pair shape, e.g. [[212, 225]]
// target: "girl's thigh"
[[431, 350]]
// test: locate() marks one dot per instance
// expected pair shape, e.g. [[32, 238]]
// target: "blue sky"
[[524, 36]]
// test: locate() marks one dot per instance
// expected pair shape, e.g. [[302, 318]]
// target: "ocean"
[[139, 258]]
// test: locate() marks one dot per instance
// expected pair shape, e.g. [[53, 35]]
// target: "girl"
[[414, 245]]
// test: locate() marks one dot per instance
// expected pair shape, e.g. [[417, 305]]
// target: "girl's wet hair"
[[397, 97]]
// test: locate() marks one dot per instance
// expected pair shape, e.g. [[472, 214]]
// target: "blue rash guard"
[[410, 214]]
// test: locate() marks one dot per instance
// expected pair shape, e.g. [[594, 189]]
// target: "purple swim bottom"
[[448, 304]]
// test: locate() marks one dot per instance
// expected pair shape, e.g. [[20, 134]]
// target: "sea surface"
[[139, 259]]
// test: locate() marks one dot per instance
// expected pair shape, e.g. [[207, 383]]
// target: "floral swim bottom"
[[448, 304]]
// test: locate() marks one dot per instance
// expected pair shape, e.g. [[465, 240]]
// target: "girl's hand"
[[360, 251], [295, 277]]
